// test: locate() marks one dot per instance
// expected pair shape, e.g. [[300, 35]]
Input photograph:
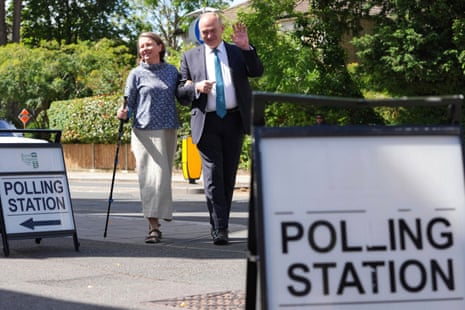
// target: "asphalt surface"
[[120, 271]]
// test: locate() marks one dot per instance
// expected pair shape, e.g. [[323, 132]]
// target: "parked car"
[[10, 134], [4, 124]]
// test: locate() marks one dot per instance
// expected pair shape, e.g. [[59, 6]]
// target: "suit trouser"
[[220, 149]]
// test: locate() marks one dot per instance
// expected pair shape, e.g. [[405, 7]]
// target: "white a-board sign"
[[34, 192], [361, 218], [35, 203]]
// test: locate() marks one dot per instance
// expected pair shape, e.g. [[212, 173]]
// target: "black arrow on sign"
[[30, 223]]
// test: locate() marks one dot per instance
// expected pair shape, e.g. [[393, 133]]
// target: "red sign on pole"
[[24, 116]]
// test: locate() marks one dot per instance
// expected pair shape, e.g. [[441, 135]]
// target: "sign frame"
[[24, 178], [264, 210], [256, 287]]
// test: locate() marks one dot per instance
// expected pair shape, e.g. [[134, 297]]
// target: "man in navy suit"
[[219, 138]]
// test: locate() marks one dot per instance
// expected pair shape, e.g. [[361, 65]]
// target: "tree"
[[3, 29], [15, 25], [34, 77], [323, 29], [72, 21], [17, 7], [168, 19], [415, 48], [308, 59]]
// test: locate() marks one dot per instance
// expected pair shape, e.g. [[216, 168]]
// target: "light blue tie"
[[220, 101]]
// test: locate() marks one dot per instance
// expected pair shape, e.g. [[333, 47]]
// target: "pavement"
[[120, 271]]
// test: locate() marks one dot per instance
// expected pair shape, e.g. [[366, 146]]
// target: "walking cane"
[[118, 143]]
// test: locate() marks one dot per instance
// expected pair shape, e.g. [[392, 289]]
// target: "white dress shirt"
[[229, 93]]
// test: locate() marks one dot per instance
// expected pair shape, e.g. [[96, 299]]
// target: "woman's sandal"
[[154, 236]]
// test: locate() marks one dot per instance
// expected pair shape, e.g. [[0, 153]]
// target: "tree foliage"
[[308, 59], [415, 48], [34, 77], [168, 16], [72, 21]]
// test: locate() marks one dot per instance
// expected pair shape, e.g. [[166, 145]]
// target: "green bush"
[[88, 120], [33, 78]]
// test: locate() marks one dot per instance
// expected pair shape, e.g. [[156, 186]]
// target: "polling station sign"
[[34, 191], [361, 217], [35, 203]]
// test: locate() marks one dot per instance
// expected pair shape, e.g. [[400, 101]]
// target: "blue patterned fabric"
[[150, 90]]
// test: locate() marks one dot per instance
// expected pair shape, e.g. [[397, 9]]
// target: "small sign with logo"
[[21, 158]]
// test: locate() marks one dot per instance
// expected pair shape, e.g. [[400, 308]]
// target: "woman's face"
[[149, 50]]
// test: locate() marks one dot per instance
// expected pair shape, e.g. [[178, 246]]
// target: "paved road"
[[185, 271]]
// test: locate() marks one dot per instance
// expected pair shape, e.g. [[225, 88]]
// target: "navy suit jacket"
[[243, 64]]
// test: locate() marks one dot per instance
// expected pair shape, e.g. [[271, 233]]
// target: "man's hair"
[[220, 20]]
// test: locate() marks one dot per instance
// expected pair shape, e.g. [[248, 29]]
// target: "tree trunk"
[[17, 20], [3, 31]]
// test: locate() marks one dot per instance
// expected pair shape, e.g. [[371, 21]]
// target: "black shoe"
[[220, 236]]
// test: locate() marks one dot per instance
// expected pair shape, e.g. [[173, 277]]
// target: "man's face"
[[211, 30]]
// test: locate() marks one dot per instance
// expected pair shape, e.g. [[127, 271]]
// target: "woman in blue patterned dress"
[[151, 89]]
